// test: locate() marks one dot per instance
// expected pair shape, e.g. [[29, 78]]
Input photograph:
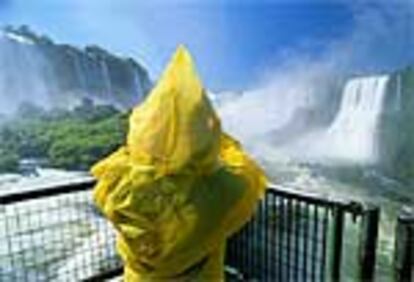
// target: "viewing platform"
[[57, 234]]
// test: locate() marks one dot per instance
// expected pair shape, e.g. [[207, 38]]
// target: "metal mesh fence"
[[286, 241], [56, 234], [55, 238], [295, 238]]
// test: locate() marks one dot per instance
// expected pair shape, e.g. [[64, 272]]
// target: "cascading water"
[[399, 93], [24, 69], [352, 137], [138, 86], [80, 74], [106, 78], [35, 70]]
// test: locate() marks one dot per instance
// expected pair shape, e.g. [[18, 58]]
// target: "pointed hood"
[[177, 109]]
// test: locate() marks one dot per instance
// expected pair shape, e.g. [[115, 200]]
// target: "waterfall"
[[399, 89], [138, 86], [106, 78], [80, 74], [352, 137], [32, 69], [23, 75]]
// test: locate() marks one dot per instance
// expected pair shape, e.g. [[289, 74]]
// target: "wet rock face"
[[397, 128], [37, 70]]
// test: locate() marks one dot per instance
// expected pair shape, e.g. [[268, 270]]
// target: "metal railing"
[[404, 247], [56, 234], [298, 237]]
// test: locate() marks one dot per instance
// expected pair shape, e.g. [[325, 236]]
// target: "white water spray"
[[23, 70], [399, 93], [353, 135], [80, 74], [106, 77]]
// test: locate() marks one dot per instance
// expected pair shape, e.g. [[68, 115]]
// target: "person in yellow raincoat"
[[180, 186]]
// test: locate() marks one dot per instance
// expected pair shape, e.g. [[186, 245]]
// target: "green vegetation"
[[8, 161], [65, 139]]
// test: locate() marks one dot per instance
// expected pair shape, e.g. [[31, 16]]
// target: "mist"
[[381, 41], [25, 74]]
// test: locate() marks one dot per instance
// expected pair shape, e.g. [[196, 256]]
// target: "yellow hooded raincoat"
[[180, 186]]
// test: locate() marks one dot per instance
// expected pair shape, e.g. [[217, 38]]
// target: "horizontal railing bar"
[[302, 196], [277, 190], [16, 197]]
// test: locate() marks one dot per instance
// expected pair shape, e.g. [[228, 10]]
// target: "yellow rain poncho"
[[179, 187]]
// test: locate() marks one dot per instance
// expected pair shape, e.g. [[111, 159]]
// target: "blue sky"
[[232, 41]]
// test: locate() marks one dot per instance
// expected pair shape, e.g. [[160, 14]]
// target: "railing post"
[[368, 238], [338, 231], [404, 247]]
